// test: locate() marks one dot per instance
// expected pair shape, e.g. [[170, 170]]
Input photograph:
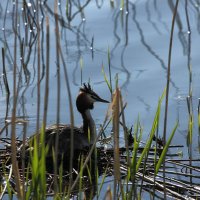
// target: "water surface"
[[137, 36]]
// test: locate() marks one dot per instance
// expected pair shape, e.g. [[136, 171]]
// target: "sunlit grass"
[[134, 163], [126, 167], [37, 188]]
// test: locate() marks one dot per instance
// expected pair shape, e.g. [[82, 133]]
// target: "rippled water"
[[137, 36]]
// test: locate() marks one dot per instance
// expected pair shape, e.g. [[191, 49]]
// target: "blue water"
[[138, 41]]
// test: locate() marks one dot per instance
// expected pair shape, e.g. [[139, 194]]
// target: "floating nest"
[[181, 176]]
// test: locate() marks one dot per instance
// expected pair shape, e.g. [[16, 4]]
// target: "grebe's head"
[[86, 98]]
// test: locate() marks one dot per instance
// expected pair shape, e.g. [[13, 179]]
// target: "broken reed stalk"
[[168, 81]]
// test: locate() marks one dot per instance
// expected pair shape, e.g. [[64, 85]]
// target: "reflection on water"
[[137, 34]]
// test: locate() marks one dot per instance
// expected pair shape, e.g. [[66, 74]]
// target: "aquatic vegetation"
[[46, 59]]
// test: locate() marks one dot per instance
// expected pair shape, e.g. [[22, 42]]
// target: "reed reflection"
[[76, 40], [181, 33], [121, 16]]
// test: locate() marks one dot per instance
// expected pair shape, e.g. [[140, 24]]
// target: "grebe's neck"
[[88, 124]]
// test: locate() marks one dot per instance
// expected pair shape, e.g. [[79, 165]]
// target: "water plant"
[[128, 169]]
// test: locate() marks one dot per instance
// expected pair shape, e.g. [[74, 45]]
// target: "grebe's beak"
[[99, 99]]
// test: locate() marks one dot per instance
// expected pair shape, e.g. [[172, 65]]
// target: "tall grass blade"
[[38, 167], [164, 152], [152, 133], [106, 79], [42, 163], [190, 130], [7, 187], [132, 169], [102, 181]]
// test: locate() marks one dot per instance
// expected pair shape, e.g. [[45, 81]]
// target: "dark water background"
[[138, 39]]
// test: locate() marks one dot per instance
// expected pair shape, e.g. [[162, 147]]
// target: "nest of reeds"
[[181, 176]]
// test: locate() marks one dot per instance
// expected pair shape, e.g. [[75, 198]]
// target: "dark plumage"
[[84, 103]]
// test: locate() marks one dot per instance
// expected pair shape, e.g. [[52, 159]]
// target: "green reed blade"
[[164, 152], [106, 79], [152, 133], [190, 130], [102, 181]]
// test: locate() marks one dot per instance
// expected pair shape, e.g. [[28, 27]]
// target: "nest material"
[[181, 176]]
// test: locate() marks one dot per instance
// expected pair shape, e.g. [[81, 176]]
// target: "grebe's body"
[[81, 142]]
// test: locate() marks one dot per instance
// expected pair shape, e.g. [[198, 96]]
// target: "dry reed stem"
[[116, 111], [38, 69], [4, 73], [19, 187], [124, 129], [46, 96], [71, 114], [108, 195], [58, 92]]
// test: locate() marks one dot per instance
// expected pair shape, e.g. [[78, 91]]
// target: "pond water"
[[137, 35]]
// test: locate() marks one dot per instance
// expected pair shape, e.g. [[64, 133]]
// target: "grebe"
[[84, 103]]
